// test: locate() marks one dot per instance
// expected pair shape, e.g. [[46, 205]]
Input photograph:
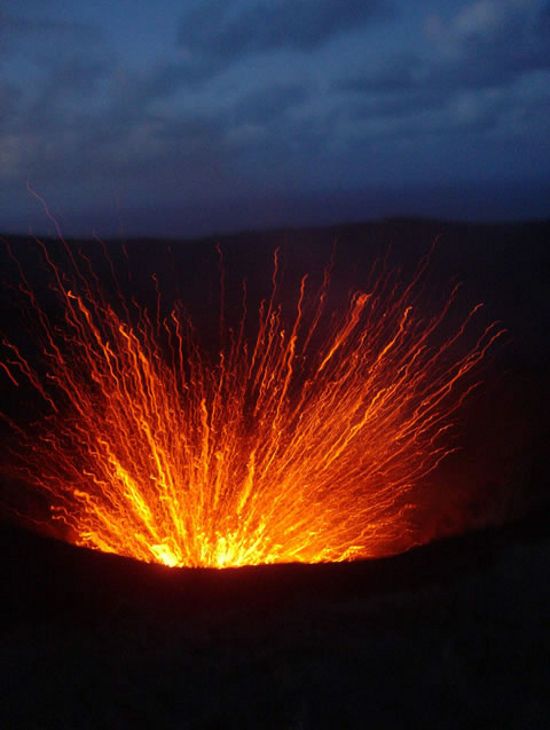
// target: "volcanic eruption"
[[304, 435]]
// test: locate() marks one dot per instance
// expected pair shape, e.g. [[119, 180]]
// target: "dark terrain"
[[455, 634]]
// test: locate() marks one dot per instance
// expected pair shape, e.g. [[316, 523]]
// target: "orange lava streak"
[[302, 443]]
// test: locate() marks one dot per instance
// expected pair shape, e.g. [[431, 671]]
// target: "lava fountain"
[[305, 436]]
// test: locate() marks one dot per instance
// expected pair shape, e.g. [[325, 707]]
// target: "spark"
[[304, 441]]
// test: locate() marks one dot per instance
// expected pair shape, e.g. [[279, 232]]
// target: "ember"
[[307, 441]]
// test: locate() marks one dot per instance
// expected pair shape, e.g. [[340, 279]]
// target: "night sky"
[[201, 116]]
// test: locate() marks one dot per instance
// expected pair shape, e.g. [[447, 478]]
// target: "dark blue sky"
[[208, 115]]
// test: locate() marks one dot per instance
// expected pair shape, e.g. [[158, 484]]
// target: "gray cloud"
[[402, 72], [493, 42], [9, 98], [168, 78], [254, 26], [267, 105], [19, 33], [69, 80], [80, 117], [215, 33], [468, 56], [466, 82], [24, 25]]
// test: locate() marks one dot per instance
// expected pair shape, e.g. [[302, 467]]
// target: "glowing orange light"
[[303, 442]]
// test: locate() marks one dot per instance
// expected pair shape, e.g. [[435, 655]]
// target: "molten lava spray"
[[306, 441]]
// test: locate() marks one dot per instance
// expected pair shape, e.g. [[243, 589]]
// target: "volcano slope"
[[452, 634]]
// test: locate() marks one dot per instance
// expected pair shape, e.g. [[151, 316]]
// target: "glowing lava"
[[303, 442]]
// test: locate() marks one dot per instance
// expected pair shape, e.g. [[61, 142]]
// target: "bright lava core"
[[303, 441]]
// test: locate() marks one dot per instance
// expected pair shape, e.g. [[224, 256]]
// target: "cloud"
[[466, 81], [76, 114], [23, 25], [62, 82], [9, 98], [490, 42], [69, 81], [267, 105], [20, 33], [168, 77], [490, 19], [136, 151], [216, 33], [397, 73]]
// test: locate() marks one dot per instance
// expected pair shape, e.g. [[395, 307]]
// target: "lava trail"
[[304, 435]]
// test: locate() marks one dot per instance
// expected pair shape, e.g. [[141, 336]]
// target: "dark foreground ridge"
[[452, 634], [43, 577]]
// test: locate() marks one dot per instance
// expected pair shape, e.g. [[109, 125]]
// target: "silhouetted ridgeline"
[[507, 266]]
